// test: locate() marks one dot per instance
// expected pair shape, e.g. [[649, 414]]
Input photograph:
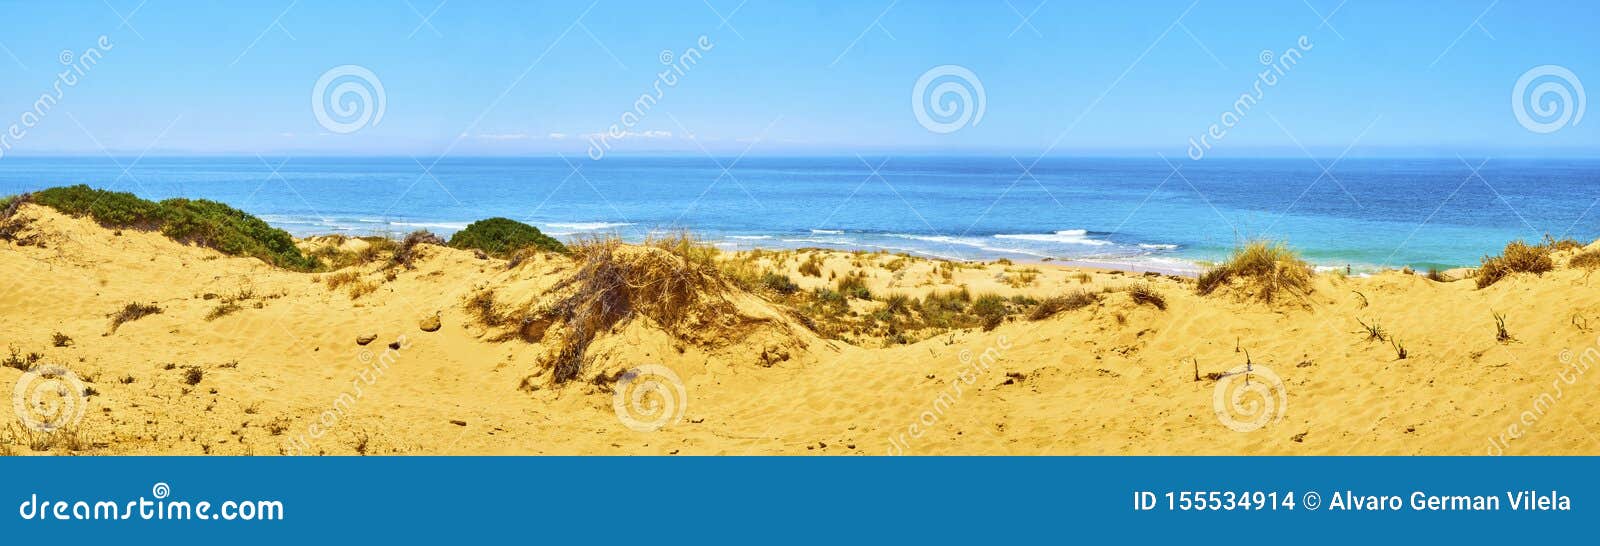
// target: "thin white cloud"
[[502, 136], [632, 134]]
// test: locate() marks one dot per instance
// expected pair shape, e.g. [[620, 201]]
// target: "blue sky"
[[529, 78]]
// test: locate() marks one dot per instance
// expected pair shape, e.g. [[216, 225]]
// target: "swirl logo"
[[161, 490], [947, 98], [649, 397], [1248, 397], [347, 99], [1267, 57], [1556, 101], [48, 398]]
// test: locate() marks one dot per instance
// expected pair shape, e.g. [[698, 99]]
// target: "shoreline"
[[1165, 264]]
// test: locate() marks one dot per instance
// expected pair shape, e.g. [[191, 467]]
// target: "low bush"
[[1518, 257], [194, 221], [500, 237]]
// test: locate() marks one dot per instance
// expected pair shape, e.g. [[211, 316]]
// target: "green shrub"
[[195, 221], [500, 237], [991, 309], [231, 231], [780, 283]]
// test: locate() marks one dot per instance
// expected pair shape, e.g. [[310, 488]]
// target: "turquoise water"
[[1368, 213]]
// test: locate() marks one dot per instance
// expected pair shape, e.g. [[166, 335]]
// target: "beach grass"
[[1518, 257], [1264, 270]]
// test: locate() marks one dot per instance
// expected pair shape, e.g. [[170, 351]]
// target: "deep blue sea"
[[1365, 212]]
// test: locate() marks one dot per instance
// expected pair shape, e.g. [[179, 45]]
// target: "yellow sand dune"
[[244, 358]]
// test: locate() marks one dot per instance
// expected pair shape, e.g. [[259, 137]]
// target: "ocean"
[[1140, 213]]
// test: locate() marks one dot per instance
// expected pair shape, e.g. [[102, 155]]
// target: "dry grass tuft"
[[1562, 245], [812, 267], [1585, 260], [1264, 270], [1147, 295], [1518, 257], [408, 251], [673, 282], [132, 312], [1058, 304]]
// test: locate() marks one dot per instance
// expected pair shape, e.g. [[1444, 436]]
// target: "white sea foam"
[[458, 226], [1068, 236], [587, 226], [974, 242], [827, 231], [1158, 246], [750, 237]]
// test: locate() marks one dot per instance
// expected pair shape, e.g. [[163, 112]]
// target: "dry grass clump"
[[132, 312], [1562, 245], [1263, 270], [1020, 278], [686, 245], [407, 251], [1585, 260], [341, 278], [1518, 257], [812, 267], [333, 257], [1147, 295], [352, 279], [1059, 304], [854, 285], [19, 361], [673, 282], [222, 310]]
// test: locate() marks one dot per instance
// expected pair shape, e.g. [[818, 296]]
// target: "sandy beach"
[[246, 358]]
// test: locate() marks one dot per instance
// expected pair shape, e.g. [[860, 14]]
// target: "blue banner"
[[806, 500]]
